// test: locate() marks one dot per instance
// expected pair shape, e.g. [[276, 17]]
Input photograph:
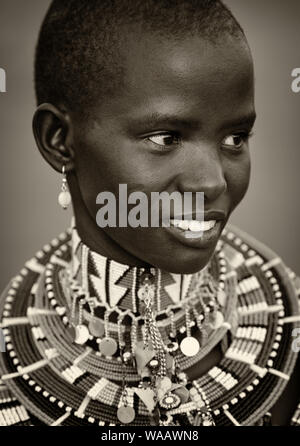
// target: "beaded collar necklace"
[[147, 349], [112, 298], [84, 385]]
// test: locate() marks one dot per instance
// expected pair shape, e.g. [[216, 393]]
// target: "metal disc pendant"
[[126, 414], [189, 346], [82, 334], [96, 328], [218, 320], [108, 346]]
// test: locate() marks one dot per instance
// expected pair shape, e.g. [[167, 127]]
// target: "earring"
[[64, 198]]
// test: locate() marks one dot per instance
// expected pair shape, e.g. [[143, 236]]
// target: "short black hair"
[[78, 51]]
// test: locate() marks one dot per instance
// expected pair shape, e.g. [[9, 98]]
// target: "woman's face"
[[180, 123]]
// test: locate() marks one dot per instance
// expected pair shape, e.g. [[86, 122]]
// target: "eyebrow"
[[248, 120], [158, 119], [154, 119]]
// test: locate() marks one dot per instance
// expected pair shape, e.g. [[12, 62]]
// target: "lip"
[[208, 215]]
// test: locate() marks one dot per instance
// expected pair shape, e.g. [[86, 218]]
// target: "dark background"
[[30, 216]]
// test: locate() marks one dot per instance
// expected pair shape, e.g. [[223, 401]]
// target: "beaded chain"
[[42, 364]]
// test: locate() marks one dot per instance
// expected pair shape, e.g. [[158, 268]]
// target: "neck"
[[114, 283]]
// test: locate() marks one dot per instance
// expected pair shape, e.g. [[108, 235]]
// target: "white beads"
[[40, 254], [64, 199], [237, 241]]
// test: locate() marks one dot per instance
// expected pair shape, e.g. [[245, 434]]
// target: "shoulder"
[[12, 412], [263, 273], [15, 303], [268, 313], [242, 249]]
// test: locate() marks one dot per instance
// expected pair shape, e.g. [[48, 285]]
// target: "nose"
[[203, 171]]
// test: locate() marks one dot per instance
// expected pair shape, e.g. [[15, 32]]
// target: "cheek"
[[238, 178], [104, 168]]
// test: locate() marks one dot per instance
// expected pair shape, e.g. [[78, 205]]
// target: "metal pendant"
[[146, 395], [108, 346], [146, 292], [183, 394], [96, 328], [221, 296], [142, 356], [163, 386], [217, 320], [126, 414], [189, 346], [72, 332], [82, 334]]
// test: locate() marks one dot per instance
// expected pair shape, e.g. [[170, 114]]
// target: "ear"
[[52, 130]]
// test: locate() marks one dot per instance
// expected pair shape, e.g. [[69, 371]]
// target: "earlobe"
[[54, 137]]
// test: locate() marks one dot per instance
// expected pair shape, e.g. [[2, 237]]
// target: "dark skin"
[[204, 97], [180, 122]]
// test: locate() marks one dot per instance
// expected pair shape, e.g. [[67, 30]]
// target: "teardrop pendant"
[[64, 199]]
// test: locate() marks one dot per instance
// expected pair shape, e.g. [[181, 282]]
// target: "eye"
[[164, 140], [236, 141]]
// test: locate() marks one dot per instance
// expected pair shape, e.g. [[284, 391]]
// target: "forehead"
[[185, 75]]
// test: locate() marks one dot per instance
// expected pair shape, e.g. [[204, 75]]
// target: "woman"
[[190, 324]]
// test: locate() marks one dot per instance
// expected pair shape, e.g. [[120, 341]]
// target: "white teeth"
[[194, 225], [184, 224], [176, 223]]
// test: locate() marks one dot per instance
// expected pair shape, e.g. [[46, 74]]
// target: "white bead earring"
[[64, 198]]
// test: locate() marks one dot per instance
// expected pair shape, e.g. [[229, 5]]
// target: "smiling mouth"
[[193, 225], [196, 233], [193, 229]]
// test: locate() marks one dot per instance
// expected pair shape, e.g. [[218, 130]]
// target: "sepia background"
[[30, 216]]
